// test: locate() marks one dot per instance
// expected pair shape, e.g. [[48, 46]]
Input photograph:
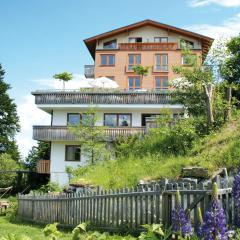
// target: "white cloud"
[[230, 27], [224, 3], [30, 115]]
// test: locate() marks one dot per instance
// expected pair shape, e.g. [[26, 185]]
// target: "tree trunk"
[[209, 93], [228, 112]]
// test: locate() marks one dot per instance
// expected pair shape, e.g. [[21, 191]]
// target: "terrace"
[[102, 97]]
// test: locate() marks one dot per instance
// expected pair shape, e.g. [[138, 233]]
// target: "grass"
[[23, 229], [220, 149]]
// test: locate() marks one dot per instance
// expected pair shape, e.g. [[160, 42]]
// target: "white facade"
[[59, 118]]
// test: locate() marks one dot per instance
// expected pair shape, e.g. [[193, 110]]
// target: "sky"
[[44, 37]]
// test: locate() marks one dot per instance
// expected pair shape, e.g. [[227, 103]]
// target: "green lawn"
[[32, 231]]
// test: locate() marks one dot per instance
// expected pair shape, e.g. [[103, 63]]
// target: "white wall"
[[58, 163], [60, 116], [148, 33]]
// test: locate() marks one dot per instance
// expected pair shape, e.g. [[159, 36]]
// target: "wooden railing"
[[148, 46], [43, 166], [61, 133], [118, 97]]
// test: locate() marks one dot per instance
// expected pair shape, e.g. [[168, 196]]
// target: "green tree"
[[90, 136], [141, 70], [41, 151], [7, 164], [9, 121], [64, 76]]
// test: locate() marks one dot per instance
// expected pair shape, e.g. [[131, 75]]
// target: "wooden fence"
[[125, 209]]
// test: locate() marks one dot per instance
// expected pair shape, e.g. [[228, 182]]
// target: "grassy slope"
[[217, 150], [32, 231]]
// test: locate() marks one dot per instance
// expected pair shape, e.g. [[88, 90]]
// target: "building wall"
[[60, 116], [58, 163]]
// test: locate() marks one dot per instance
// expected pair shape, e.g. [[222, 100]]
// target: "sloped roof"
[[92, 41]]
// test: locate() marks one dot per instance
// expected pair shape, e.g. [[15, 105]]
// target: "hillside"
[[220, 149]]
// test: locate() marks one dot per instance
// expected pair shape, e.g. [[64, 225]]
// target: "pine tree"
[[9, 121]]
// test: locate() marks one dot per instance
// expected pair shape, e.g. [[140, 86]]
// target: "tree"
[[7, 178], [64, 76], [200, 80], [41, 151], [92, 138], [231, 68], [141, 70], [9, 121]]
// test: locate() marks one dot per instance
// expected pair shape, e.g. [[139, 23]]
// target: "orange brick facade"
[[120, 70]]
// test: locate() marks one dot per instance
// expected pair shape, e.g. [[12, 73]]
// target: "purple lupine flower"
[[236, 196], [214, 222], [180, 222]]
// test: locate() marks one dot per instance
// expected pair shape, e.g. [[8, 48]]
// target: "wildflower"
[[236, 196], [180, 222], [214, 225]]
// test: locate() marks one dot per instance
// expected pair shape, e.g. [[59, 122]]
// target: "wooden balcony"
[[61, 133], [43, 167], [102, 97], [148, 46]]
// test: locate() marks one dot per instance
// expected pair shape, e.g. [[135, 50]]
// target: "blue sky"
[[41, 38]]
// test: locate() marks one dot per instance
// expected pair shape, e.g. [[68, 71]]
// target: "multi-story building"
[[126, 111]]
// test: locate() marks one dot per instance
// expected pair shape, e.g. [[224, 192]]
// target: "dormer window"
[[135, 40], [186, 44], [110, 44], [161, 39]]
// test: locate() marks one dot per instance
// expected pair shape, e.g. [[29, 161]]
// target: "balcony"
[[43, 167], [102, 97], [148, 46], [89, 71], [61, 133]]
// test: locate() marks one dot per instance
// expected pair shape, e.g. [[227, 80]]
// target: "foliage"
[[231, 68], [155, 232], [51, 231], [50, 187], [90, 136], [9, 121], [214, 222], [64, 76], [180, 222], [41, 151], [222, 147], [8, 179], [141, 70]]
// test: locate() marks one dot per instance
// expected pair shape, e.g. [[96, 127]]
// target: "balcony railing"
[[61, 133], [43, 166], [148, 46], [118, 97], [89, 71]]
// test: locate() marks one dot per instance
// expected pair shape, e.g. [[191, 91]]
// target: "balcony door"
[[134, 83]]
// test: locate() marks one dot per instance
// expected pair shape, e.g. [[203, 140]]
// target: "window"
[[161, 62], [133, 60], [161, 39], [73, 118], [110, 44], [107, 60], [135, 40], [73, 153], [186, 44], [161, 83], [88, 119], [189, 60], [117, 120], [134, 83]]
